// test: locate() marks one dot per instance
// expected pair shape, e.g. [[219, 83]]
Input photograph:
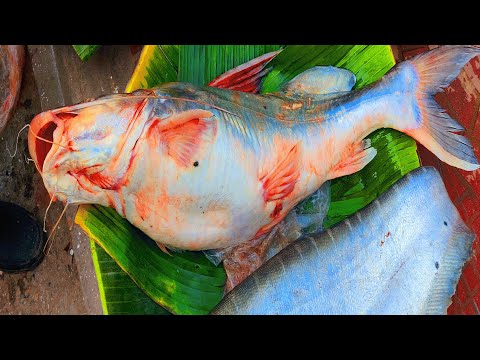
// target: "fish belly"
[[212, 204]]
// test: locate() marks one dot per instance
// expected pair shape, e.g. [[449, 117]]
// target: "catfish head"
[[85, 149]]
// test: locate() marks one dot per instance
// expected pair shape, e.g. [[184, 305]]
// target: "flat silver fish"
[[402, 254]]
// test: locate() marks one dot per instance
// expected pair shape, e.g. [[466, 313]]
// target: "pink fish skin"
[[205, 168], [12, 58]]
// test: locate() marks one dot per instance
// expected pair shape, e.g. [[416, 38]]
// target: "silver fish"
[[402, 254]]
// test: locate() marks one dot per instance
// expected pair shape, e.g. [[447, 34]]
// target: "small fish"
[[12, 58], [389, 258], [202, 168]]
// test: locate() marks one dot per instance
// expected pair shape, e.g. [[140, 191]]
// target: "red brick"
[[451, 178], [471, 275], [470, 309], [472, 178], [476, 247], [475, 226], [462, 103], [426, 157], [462, 292], [471, 206], [454, 308], [442, 100], [476, 297], [407, 54]]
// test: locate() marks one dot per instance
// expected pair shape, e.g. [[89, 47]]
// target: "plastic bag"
[[306, 218]]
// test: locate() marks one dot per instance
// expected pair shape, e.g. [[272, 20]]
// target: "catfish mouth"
[[43, 147], [45, 134]]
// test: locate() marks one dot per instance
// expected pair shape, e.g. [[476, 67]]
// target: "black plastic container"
[[21, 239]]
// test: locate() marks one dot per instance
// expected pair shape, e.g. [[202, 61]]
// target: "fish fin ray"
[[163, 248], [320, 80], [183, 133], [355, 160], [280, 181], [456, 254], [424, 76], [246, 77]]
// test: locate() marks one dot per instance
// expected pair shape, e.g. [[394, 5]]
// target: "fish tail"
[[423, 77]]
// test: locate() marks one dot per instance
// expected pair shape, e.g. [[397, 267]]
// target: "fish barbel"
[[206, 168], [389, 258]]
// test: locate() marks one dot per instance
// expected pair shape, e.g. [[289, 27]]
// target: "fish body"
[[206, 168], [12, 58], [396, 256]]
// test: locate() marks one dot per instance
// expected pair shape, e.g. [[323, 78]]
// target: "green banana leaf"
[[183, 283], [201, 64], [368, 62], [157, 64], [85, 51], [119, 294]]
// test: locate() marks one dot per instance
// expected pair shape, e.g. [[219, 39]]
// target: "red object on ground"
[[461, 100]]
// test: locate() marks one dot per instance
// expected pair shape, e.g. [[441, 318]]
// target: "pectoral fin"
[[354, 160], [280, 181], [320, 80], [183, 134]]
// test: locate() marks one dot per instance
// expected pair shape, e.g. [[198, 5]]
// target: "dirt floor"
[[54, 287]]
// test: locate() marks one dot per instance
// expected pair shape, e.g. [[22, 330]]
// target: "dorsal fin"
[[246, 77], [320, 80]]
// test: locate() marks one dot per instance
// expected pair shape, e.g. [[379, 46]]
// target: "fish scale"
[[399, 276]]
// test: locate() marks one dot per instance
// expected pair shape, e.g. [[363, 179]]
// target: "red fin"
[[183, 133], [246, 77], [280, 182], [163, 248], [355, 160], [101, 181]]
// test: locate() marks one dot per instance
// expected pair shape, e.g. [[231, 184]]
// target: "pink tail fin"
[[427, 74]]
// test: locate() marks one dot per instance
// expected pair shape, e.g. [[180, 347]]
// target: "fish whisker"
[[16, 143]]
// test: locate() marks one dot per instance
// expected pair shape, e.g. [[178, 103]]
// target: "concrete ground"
[[64, 283], [54, 287]]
